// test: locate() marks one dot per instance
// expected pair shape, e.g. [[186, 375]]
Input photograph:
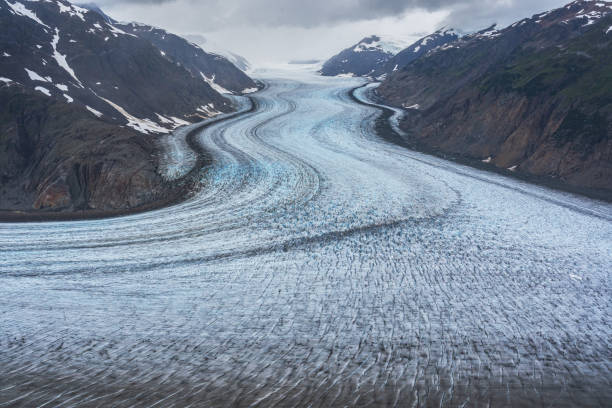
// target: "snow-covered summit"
[[389, 45], [365, 57]]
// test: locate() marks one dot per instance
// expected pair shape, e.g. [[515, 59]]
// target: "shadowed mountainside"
[[535, 97], [84, 99], [56, 156]]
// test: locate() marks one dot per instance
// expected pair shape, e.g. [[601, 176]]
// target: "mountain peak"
[[96, 9], [377, 43]]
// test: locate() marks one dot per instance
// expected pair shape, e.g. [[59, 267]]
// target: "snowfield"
[[318, 266]]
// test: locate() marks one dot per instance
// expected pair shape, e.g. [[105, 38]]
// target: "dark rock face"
[[211, 67], [362, 59], [56, 156], [535, 97]]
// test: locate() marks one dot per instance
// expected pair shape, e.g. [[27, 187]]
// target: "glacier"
[[319, 265]]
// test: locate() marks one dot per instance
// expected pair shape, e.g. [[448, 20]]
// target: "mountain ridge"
[[84, 100], [534, 97], [363, 58]]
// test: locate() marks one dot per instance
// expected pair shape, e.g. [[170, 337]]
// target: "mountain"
[[212, 48], [74, 55], [83, 98], [364, 58], [215, 69], [534, 97], [417, 50]]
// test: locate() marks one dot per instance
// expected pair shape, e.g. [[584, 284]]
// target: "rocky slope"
[[83, 98], [534, 98], [417, 50], [215, 69], [362, 59], [56, 156]]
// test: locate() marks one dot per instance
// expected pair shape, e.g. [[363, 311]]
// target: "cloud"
[[313, 13], [286, 29]]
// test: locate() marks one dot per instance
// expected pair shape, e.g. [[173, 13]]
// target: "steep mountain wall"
[[535, 98]]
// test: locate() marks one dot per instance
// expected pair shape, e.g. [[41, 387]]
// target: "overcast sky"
[[273, 31]]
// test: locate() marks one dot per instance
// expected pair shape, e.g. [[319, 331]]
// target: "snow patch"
[[5, 80], [416, 106], [591, 17], [92, 110], [208, 110], [490, 34], [541, 16], [22, 10], [43, 90], [72, 10], [35, 77], [487, 160], [179, 122], [141, 125], [117, 31], [61, 87], [6, 54], [213, 85], [249, 90], [513, 168], [68, 98], [163, 119], [61, 59]]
